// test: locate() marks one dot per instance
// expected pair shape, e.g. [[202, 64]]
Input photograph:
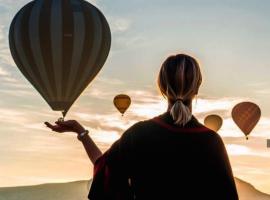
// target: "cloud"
[[149, 103], [234, 149], [211, 104], [119, 24], [108, 80], [258, 84], [9, 74], [105, 128], [247, 149], [103, 88], [265, 91], [128, 42], [260, 88], [3, 72], [5, 58], [11, 116]]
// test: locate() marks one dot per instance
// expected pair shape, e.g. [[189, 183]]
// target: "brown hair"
[[179, 80]]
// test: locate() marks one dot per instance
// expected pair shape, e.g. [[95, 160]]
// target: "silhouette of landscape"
[[78, 190]]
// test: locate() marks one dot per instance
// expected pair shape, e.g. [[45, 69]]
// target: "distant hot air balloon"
[[59, 46], [122, 102], [246, 115], [213, 122]]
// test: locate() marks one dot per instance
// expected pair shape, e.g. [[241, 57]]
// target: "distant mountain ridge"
[[79, 190], [246, 191], [56, 191]]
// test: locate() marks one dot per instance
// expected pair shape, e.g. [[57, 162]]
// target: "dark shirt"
[[156, 159]]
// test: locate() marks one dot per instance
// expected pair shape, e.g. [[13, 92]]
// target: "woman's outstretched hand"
[[91, 148], [66, 126]]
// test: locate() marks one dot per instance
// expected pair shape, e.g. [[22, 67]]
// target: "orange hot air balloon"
[[122, 102], [213, 122], [246, 115]]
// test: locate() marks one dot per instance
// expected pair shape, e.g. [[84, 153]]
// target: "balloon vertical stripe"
[[19, 39], [56, 42], [87, 45], [29, 54], [102, 55], [45, 44], [59, 46], [35, 46], [78, 42], [68, 35], [97, 38]]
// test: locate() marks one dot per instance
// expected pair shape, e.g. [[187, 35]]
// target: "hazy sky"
[[230, 38]]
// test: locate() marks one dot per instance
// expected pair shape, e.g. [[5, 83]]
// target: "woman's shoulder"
[[159, 124], [139, 128], [140, 125]]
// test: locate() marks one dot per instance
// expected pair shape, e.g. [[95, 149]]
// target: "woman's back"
[[164, 161], [175, 162]]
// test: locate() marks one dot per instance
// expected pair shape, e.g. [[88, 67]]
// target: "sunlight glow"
[[234, 149]]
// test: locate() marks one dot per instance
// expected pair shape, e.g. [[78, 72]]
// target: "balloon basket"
[[61, 119]]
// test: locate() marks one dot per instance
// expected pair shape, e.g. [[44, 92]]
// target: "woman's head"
[[179, 80]]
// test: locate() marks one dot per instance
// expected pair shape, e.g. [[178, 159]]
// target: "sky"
[[230, 39]]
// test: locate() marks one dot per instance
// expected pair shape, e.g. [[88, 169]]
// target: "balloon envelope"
[[59, 46], [213, 122], [246, 115], [122, 102]]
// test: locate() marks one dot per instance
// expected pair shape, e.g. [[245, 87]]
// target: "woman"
[[171, 156]]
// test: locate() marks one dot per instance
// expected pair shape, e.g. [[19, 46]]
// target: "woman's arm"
[[90, 147]]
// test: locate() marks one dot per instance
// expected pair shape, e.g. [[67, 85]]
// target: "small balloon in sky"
[[213, 122], [246, 115], [122, 102], [59, 46]]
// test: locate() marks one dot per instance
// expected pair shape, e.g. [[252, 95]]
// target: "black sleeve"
[[223, 178], [111, 170]]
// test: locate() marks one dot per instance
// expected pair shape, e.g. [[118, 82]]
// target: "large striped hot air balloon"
[[59, 46]]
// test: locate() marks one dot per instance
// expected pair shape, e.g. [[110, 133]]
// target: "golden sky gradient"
[[229, 38]]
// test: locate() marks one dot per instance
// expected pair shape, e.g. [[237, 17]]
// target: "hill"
[[78, 191]]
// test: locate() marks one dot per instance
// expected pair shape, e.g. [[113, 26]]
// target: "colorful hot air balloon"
[[59, 46], [122, 102], [213, 122], [246, 115]]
